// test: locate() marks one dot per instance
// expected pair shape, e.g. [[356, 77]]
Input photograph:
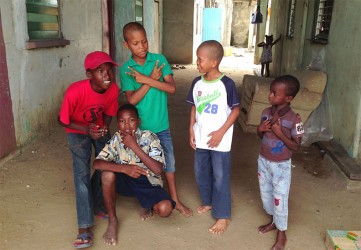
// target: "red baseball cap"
[[94, 59]]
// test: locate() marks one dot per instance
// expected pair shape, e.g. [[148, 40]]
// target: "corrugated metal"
[[212, 28]]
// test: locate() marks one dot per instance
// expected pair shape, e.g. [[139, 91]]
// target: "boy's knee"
[[108, 177], [163, 208]]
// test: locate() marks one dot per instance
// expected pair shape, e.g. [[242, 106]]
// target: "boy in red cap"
[[86, 112]]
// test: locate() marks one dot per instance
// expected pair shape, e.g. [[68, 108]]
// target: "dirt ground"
[[38, 203]]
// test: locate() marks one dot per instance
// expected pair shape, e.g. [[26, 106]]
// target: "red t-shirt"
[[83, 106]]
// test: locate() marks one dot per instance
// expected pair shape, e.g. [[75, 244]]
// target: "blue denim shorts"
[[167, 145], [147, 194]]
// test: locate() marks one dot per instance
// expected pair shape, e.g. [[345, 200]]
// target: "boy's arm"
[[293, 144], [191, 124], [74, 126], [133, 171], [153, 165], [167, 86], [133, 97], [107, 119], [93, 129], [216, 136], [264, 126]]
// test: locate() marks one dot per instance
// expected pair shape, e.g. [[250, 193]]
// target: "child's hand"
[[157, 71], [95, 132], [276, 127], [216, 138], [104, 130], [129, 139], [134, 171], [139, 78], [192, 140], [265, 126]]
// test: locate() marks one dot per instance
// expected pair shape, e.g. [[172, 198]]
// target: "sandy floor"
[[38, 204]]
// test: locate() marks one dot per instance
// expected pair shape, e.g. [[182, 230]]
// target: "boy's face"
[[127, 121], [204, 62], [137, 43], [278, 94], [101, 77]]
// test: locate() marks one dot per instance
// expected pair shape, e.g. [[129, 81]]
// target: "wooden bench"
[[339, 155]]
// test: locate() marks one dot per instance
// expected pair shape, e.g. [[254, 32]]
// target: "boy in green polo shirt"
[[146, 80]]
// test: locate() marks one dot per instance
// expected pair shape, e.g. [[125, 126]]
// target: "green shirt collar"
[[150, 58]]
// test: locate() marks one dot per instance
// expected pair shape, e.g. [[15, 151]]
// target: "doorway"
[[156, 28]]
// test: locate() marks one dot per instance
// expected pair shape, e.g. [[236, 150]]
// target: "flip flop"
[[84, 240], [102, 215]]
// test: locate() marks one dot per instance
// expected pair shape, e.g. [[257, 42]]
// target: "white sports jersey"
[[214, 101]]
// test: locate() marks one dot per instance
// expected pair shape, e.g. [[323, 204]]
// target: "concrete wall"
[[240, 22], [124, 12], [227, 12], [39, 77], [340, 61], [178, 31], [343, 53], [341, 56]]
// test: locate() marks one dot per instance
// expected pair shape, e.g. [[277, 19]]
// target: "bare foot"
[[203, 209], [266, 228], [110, 236], [281, 241], [185, 211], [145, 214], [220, 226]]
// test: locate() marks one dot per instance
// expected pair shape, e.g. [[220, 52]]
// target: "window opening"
[[291, 18], [322, 21]]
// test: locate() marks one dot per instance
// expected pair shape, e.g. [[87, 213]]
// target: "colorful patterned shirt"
[[115, 151]]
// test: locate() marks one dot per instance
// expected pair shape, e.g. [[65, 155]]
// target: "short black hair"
[[132, 26], [216, 50], [129, 107], [292, 84]]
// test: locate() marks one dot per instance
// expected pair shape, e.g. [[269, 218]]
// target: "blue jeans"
[[212, 171], [80, 146], [167, 144], [274, 184]]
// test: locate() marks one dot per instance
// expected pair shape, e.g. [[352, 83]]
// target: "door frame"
[[108, 39], [7, 126]]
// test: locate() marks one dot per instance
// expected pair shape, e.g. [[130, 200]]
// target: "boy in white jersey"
[[215, 109]]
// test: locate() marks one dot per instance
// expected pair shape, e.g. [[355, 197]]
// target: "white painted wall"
[[39, 77]]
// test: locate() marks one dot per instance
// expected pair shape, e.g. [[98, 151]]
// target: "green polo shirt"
[[153, 108]]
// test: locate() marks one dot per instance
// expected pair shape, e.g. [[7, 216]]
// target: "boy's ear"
[[289, 98], [215, 63], [88, 74], [125, 44]]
